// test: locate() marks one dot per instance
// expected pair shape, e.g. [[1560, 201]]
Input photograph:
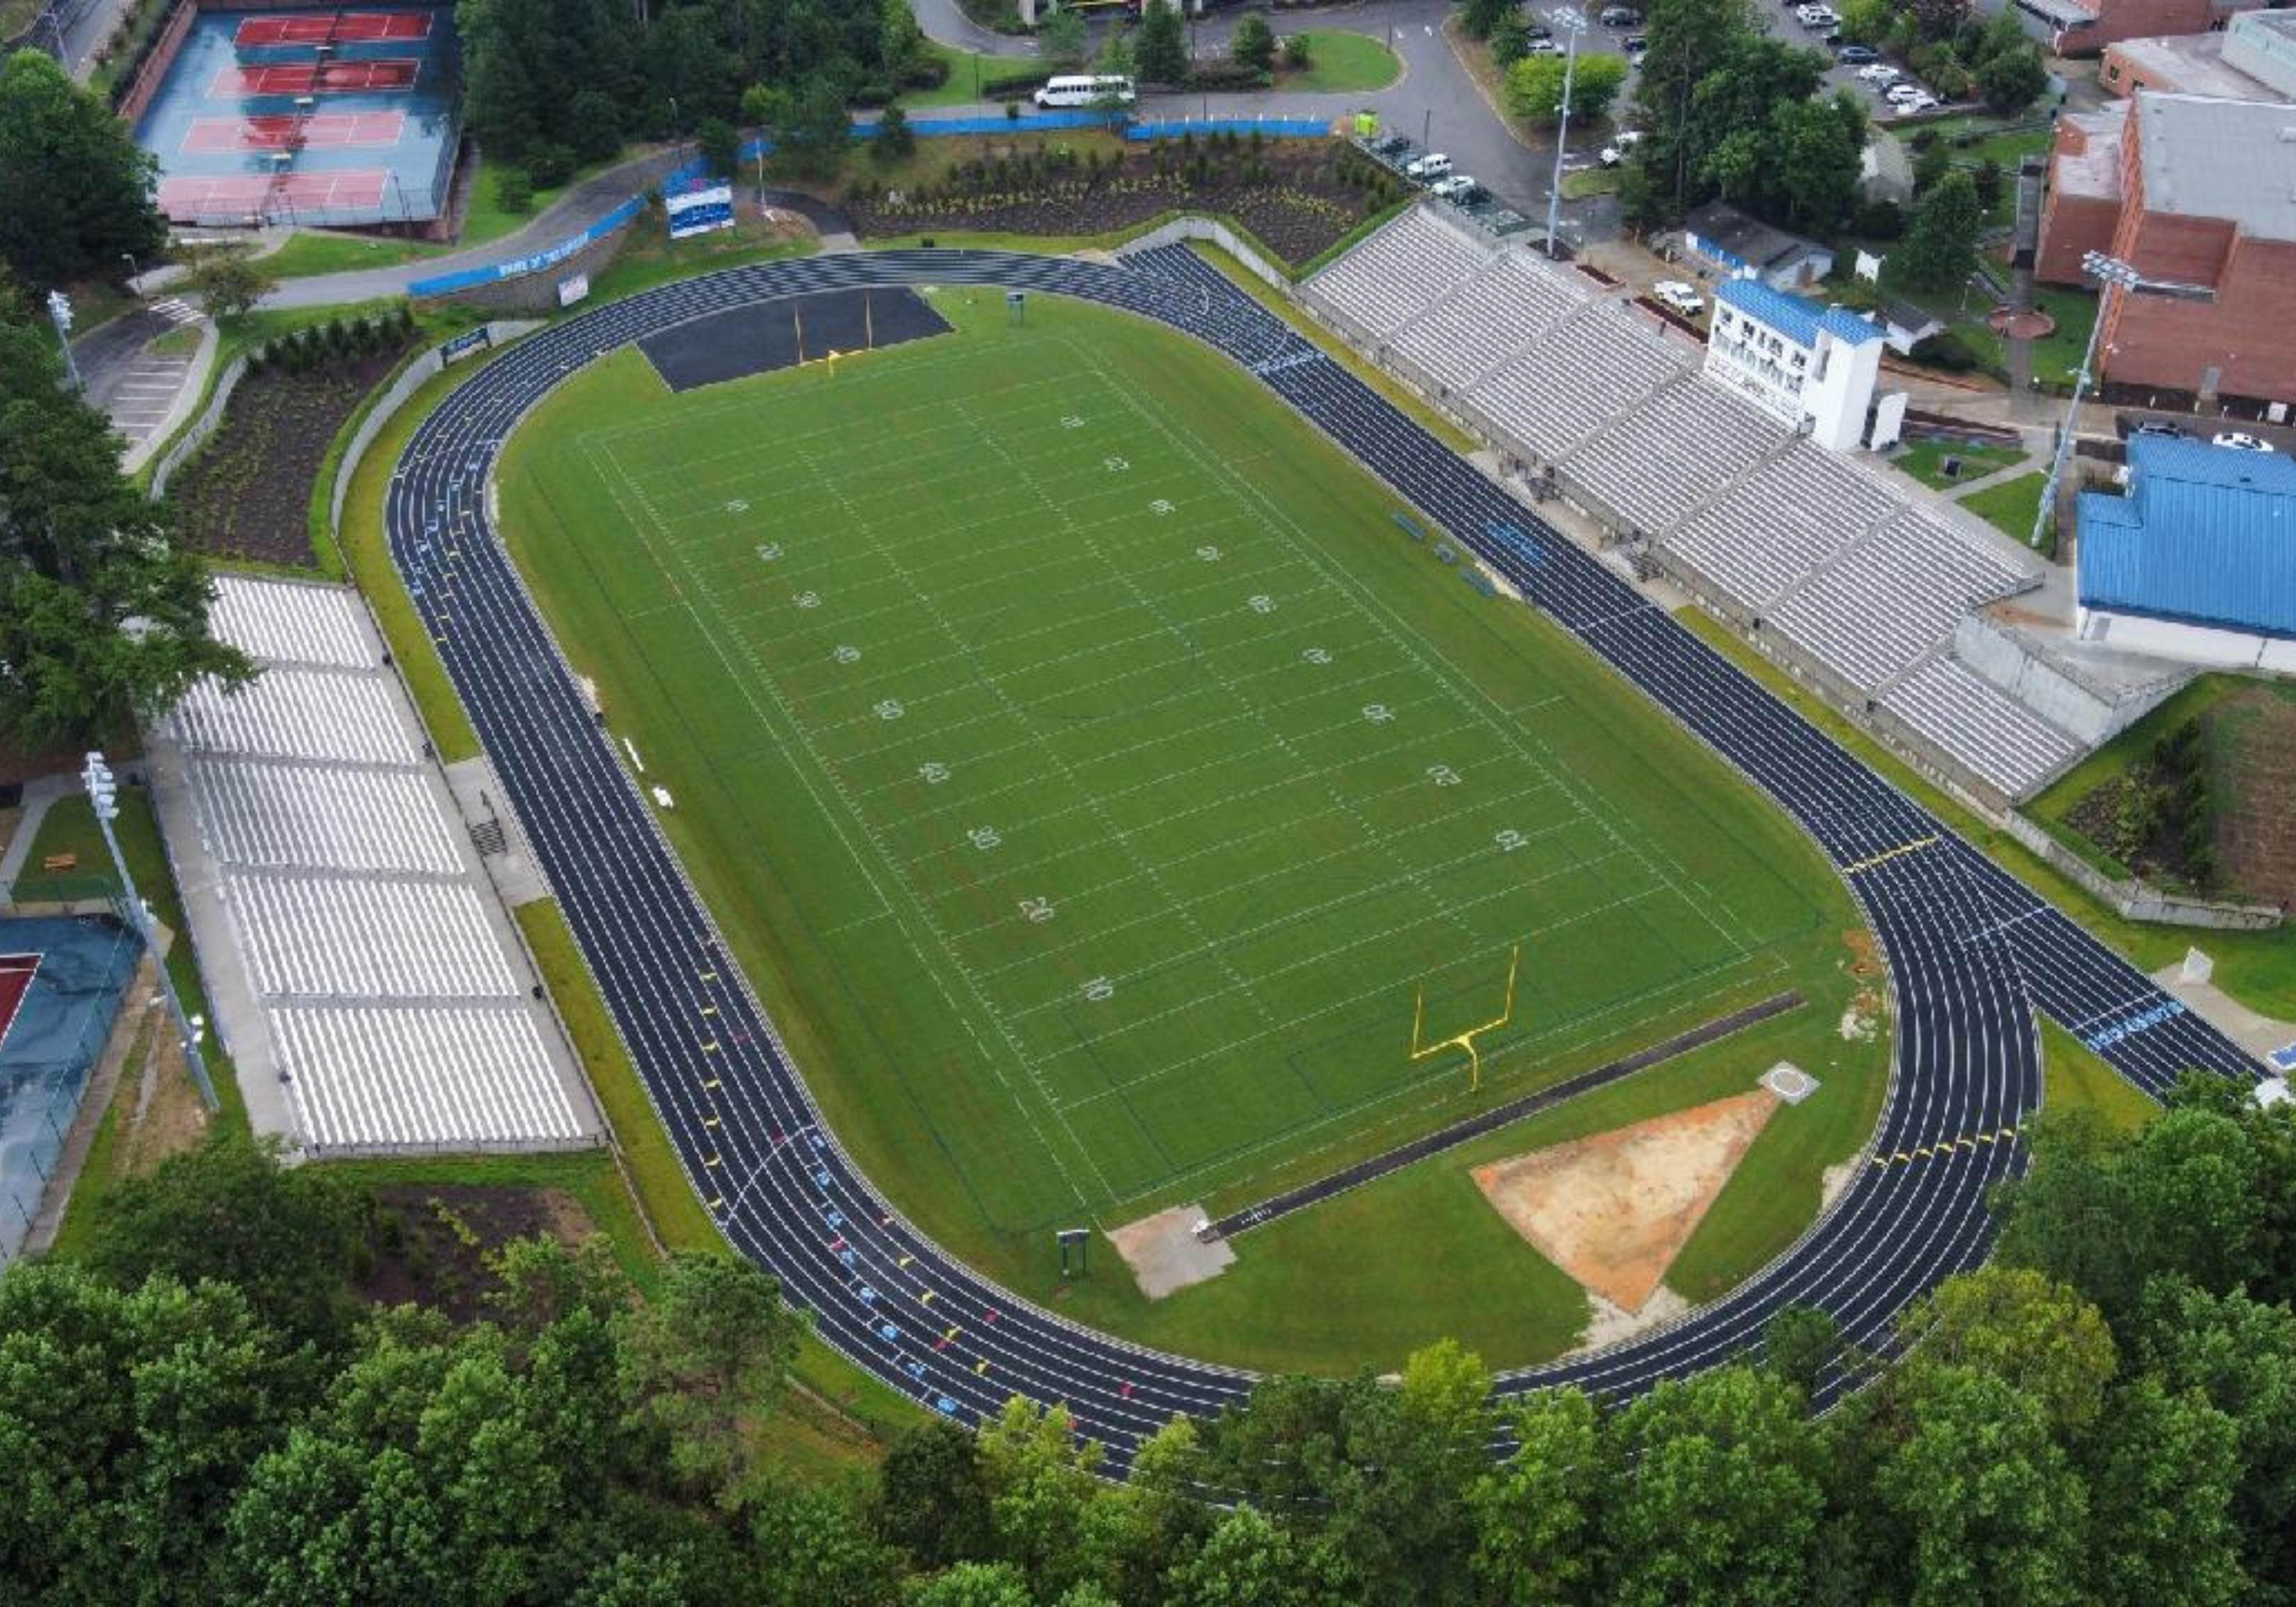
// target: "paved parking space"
[[139, 394]]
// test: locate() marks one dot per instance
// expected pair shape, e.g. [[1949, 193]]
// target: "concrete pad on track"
[[1165, 1254]]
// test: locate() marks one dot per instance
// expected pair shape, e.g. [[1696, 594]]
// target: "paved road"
[[1972, 952], [71, 30]]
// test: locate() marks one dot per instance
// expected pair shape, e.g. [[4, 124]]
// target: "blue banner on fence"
[[470, 339], [518, 268]]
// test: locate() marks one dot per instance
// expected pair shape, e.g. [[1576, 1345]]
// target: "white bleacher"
[[377, 1077], [313, 936], [340, 884], [261, 813], [290, 713], [1987, 730], [1893, 597], [1664, 458], [290, 624], [1591, 368], [1398, 271], [1506, 305], [1781, 524]]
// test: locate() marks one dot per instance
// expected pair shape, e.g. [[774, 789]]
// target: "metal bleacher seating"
[[290, 624], [1666, 458], [1987, 731], [1591, 368], [1893, 597], [394, 1008], [370, 1077], [1780, 524], [1399, 272], [1504, 307]]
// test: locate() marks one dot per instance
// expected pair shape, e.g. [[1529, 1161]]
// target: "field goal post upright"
[[1464, 1040]]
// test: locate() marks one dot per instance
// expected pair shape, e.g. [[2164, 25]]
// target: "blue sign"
[[468, 340]]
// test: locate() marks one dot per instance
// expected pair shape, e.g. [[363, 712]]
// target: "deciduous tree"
[[75, 188]]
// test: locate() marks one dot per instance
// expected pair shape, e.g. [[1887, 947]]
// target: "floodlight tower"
[[103, 795], [60, 314], [2111, 274], [1570, 22]]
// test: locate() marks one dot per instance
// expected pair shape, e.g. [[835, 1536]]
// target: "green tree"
[[227, 281], [514, 191], [1253, 43], [1063, 39], [720, 147], [1534, 87], [809, 130], [931, 1498], [1865, 22], [1038, 1475], [1536, 1514], [1483, 18], [594, 125], [1511, 39], [976, 1585], [902, 46], [2162, 1479], [2015, 79], [128, 1417], [1689, 41], [896, 141], [1991, 181], [692, 75], [1940, 247], [711, 1353], [1988, 1507], [810, 1548], [1163, 47], [1248, 1562], [2037, 1335], [1299, 53], [1799, 1344], [286, 1238], [1720, 1499], [75, 188], [1118, 59], [1938, 19]]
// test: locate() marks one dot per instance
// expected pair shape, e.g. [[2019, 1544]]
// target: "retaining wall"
[[194, 434], [2092, 713], [409, 379], [2135, 900], [154, 70], [1218, 234]]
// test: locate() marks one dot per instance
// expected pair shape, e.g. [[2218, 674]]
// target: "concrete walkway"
[[39, 792]]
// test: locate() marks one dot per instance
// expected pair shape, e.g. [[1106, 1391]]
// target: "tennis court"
[[324, 118], [61, 978]]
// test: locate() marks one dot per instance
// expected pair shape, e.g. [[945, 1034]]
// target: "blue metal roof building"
[[2206, 536], [1796, 317]]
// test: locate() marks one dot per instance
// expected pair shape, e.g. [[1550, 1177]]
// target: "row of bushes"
[[927, 72], [2165, 814], [323, 346]]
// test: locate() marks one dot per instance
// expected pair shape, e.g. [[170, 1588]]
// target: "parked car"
[[1904, 89], [2161, 428], [1620, 16], [1817, 16], [1393, 144], [1429, 168], [1856, 55], [1616, 150], [1457, 187], [2239, 441], [1682, 298], [1637, 46], [1921, 100], [1537, 31], [1879, 74], [1542, 48]]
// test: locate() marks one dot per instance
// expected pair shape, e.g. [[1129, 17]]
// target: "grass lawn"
[[2073, 1077], [967, 72], [1991, 142], [1925, 462], [485, 220], [310, 252], [2009, 505], [2258, 968], [1089, 825], [1342, 62], [1591, 181]]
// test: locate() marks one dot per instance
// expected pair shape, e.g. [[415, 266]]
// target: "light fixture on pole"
[[1572, 22], [2111, 274], [60, 314], [103, 798]]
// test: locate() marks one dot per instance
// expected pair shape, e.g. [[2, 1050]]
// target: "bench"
[[55, 863]]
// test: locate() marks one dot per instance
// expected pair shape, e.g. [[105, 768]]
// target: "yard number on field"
[[985, 838], [1114, 466], [1208, 555], [890, 710], [1509, 841], [1443, 776], [1037, 910], [846, 654], [932, 773], [1099, 988], [809, 599], [1261, 603], [1378, 714], [1316, 655], [770, 552]]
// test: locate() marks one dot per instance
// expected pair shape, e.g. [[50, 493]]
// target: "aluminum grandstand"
[[1829, 566], [359, 962]]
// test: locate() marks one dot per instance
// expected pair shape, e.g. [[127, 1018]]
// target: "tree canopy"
[[102, 618], [75, 188]]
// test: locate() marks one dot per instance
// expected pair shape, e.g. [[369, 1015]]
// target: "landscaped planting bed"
[[1297, 196], [247, 493]]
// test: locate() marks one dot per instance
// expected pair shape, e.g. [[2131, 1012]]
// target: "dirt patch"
[[1613, 1210], [2255, 740], [1861, 1020], [1297, 196], [1165, 1254], [430, 1244], [2031, 324], [162, 1113], [247, 493], [1613, 1324]]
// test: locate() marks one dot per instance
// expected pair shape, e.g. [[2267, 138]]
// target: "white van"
[[1086, 90]]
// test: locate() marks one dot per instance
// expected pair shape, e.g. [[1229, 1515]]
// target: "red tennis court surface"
[[229, 195], [343, 28], [15, 981], [209, 135], [312, 78]]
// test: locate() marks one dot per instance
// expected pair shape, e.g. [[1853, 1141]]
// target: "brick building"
[[2083, 28], [2253, 59], [2199, 196]]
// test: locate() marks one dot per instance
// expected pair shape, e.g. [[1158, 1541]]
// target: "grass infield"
[[1090, 769]]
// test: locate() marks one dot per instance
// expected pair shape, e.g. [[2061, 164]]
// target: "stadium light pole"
[[103, 797], [60, 314], [2111, 274], [1572, 23]]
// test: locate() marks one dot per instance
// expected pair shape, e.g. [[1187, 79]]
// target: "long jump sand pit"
[[1613, 1210]]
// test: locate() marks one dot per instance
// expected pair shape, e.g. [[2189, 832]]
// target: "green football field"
[[1095, 772]]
